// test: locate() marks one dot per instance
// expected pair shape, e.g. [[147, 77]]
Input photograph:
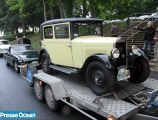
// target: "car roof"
[[70, 20], [3, 40]]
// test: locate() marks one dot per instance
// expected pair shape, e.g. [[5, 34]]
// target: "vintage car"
[[4, 46], [21, 54], [77, 45]]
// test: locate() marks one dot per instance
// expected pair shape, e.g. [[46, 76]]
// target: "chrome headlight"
[[134, 49], [115, 53]]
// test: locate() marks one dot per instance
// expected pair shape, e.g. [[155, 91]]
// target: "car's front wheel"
[[16, 68], [99, 78], [45, 62], [6, 63], [140, 71]]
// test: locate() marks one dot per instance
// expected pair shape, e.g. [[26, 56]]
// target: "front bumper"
[[123, 73]]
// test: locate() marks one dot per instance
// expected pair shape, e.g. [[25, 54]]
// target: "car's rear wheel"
[[99, 78], [16, 68], [45, 62], [140, 71]]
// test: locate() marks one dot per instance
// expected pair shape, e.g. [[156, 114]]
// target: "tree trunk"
[[84, 8], [51, 12], [23, 27], [33, 28], [44, 10], [93, 10], [61, 8]]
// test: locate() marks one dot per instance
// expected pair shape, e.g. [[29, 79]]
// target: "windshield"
[[17, 49], [87, 28], [4, 42]]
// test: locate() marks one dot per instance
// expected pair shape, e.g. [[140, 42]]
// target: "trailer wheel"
[[39, 90], [45, 62], [140, 71], [51, 102], [29, 74], [99, 78]]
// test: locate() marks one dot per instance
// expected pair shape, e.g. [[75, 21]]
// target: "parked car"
[[4, 46], [73, 45], [21, 54]]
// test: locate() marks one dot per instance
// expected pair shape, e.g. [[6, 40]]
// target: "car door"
[[59, 47]]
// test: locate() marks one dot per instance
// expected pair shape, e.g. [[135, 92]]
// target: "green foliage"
[[16, 14], [10, 37]]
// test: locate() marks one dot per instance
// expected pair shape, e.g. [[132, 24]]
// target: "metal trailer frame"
[[82, 97]]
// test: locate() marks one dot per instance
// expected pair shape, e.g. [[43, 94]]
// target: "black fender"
[[133, 57], [108, 61], [41, 52]]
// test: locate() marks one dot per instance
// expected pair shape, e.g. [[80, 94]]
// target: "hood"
[[96, 39], [5, 46], [28, 56]]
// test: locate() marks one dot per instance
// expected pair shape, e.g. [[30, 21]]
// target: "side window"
[[48, 32], [61, 31]]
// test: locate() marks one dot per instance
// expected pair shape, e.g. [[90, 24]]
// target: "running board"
[[64, 69]]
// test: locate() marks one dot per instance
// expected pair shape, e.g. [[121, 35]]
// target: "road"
[[15, 95]]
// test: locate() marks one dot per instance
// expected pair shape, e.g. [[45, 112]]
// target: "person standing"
[[114, 30], [128, 22], [19, 40], [156, 45], [26, 40], [148, 36]]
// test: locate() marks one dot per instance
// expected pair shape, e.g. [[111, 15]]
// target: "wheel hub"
[[98, 79]]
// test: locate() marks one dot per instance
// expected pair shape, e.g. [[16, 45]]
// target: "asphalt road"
[[15, 95]]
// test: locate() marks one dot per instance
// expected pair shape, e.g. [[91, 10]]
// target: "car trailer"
[[123, 104]]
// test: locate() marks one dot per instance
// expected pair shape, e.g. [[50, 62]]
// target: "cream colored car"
[[77, 45]]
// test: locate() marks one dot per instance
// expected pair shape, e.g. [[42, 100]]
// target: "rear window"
[[48, 32], [21, 48], [4, 42]]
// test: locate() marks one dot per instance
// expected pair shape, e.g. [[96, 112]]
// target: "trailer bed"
[[113, 104]]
